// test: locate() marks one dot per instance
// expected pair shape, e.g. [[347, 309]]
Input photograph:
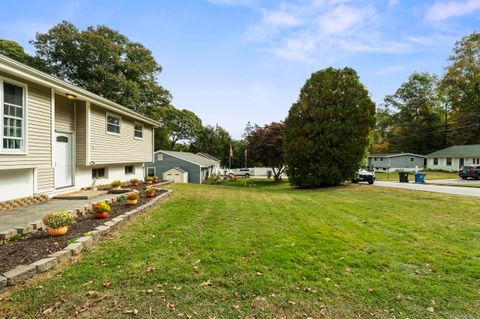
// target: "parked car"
[[467, 171], [364, 176], [245, 172]]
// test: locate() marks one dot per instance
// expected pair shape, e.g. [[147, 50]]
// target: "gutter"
[[33, 75]]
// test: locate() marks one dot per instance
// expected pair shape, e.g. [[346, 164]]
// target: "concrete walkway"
[[453, 190], [23, 216]]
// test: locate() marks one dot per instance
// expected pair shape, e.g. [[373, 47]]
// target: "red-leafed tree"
[[265, 146]]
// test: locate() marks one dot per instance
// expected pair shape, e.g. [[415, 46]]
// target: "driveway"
[[454, 181], [454, 190]]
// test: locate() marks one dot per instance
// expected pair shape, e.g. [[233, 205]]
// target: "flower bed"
[[39, 245]]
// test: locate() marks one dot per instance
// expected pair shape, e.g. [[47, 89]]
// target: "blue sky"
[[233, 61]]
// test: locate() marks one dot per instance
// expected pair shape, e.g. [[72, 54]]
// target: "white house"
[[454, 157], [56, 137], [391, 162]]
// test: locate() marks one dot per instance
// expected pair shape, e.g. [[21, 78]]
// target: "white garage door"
[[176, 177], [16, 183]]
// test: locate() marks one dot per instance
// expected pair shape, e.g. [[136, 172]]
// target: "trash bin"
[[403, 176], [420, 178]]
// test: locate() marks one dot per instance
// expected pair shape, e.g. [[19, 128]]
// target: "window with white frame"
[[138, 130], [113, 124], [98, 173], [150, 171], [13, 117]]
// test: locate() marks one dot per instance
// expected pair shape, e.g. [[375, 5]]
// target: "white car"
[[364, 176], [245, 172]]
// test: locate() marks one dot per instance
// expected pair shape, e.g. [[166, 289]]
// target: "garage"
[[16, 183], [176, 174]]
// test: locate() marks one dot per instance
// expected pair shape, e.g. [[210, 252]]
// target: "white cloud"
[[342, 18], [393, 3], [280, 19], [442, 10]]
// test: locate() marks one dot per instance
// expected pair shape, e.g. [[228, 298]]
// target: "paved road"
[[454, 190]]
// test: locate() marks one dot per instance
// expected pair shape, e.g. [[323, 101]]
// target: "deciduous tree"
[[180, 125], [327, 129], [265, 145], [213, 140]]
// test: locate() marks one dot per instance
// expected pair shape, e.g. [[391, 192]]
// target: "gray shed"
[[391, 162], [199, 167]]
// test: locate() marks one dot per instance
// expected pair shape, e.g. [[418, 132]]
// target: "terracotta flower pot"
[[101, 215], [134, 184], [58, 231], [150, 194], [132, 201]]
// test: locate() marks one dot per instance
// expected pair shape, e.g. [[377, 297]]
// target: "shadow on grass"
[[265, 184]]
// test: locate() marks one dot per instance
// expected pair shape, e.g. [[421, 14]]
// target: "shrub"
[[58, 219], [327, 129], [116, 184], [155, 178], [121, 198], [213, 179], [149, 179], [133, 196], [150, 190], [101, 207], [134, 181]]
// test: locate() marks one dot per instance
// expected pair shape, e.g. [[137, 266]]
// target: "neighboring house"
[[199, 167], [392, 162], [454, 157], [56, 137]]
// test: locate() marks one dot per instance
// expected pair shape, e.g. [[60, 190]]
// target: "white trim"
[[395, 155], [24, 86], [88, 112], [143, 131], [153, 144], [154, 171], [23, 71], [107, 114], [166, 152], [53, 142], [35, 181]]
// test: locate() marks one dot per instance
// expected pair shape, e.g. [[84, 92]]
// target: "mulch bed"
[[36, 246]]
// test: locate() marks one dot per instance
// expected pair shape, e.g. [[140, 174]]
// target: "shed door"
[[63, 160]]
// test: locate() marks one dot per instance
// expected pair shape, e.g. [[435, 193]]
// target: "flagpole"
[[230, 159]]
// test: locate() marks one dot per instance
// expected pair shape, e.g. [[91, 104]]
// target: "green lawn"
[[431, 175], [268, 251]]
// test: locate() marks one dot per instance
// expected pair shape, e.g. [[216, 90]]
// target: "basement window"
[[129, 170], [98, 173]]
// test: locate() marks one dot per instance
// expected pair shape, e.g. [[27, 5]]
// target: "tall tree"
[[213, 140], [461, 86], [15, 51], [265, 145], [327, 130], [105, 62], [180, 125], [418, 125], [382, 132]]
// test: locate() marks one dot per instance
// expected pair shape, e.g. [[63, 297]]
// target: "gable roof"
[[26, 72], [472, 150], [181, 170], [389, 155], [190, 157], [209, 157]]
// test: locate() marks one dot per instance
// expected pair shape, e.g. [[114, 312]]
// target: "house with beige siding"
[[56, 137]]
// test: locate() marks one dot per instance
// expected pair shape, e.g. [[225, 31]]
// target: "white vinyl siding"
[[64, 114], [122, 148]]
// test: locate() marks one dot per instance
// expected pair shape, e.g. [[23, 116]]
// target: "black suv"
[[472, 171]]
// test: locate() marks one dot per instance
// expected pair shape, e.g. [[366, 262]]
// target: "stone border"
[[21, 202], [23, 272]]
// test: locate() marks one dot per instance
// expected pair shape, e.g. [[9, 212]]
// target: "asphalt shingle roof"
[[193, 158], [472, 150]]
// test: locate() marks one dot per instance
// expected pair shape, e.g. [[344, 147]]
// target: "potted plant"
[[116, 184], [101, 210], [149, 179], [134, 182], [132, 198], [58, 222], [155, 179], [150, 192]]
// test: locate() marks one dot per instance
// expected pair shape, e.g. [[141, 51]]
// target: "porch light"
[[70, 96]]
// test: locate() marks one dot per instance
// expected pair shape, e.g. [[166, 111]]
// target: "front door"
[[63, 160], [461, 162]]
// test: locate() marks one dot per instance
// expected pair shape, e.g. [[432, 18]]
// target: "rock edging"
[[23, 272]]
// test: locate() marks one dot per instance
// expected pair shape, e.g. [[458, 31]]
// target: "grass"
[[431, 175], [267, 251]]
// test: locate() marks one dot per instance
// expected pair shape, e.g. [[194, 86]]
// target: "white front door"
[[63, 160]]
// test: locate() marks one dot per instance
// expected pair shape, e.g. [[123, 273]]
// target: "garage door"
[[16, 183], [177, 178]]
